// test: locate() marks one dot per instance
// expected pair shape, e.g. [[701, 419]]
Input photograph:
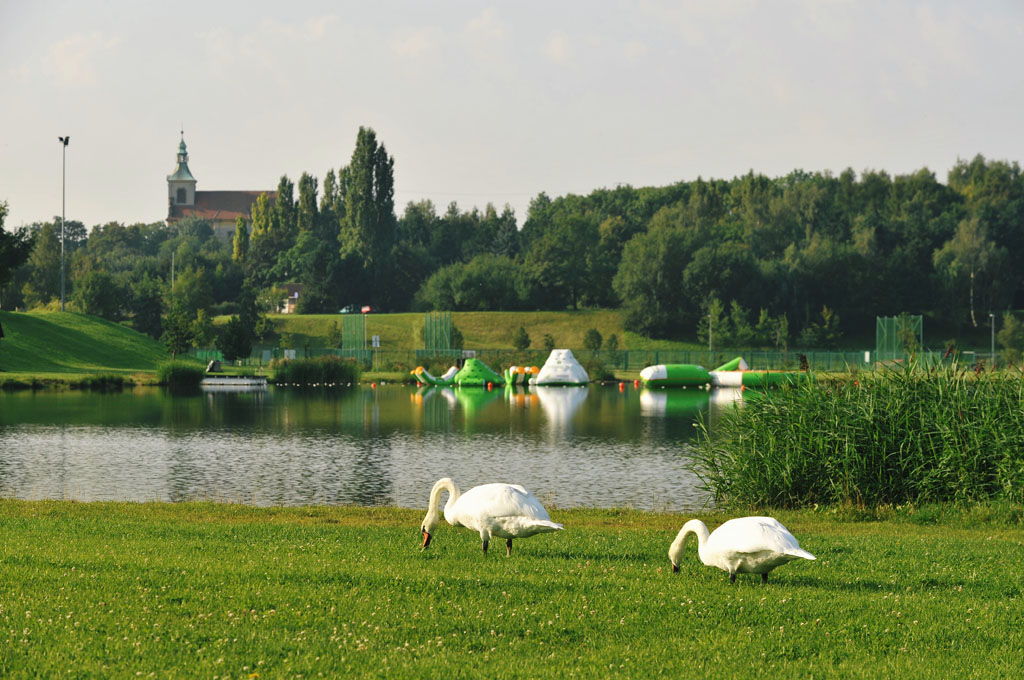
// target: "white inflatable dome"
[[561, 368]]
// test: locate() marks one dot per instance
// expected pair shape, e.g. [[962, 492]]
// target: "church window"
[[181, 195]]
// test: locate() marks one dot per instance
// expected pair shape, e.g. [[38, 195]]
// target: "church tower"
[[181, 186]]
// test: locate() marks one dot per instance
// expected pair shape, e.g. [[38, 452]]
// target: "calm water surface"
[[595, 446]]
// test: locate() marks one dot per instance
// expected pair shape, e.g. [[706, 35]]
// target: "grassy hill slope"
[[480, 330], [42, 343]]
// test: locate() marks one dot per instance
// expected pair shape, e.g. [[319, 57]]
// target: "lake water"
[[595, 446]]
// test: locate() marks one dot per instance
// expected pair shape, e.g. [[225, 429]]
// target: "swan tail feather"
[[799, 552], [543, 525]]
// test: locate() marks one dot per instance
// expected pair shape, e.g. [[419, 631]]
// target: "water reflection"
[[560, 404], [591, 446], [677, 401]]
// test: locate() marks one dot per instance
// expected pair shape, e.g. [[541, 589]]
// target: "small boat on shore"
[[234, 381]]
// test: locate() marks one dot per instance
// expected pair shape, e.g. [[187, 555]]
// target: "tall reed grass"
[[889, 437], [180, 375], [316, 371]]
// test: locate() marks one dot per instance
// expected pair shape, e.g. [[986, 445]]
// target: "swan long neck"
[[442, 485], [695, 527]]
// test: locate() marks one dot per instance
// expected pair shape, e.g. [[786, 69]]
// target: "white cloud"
[[72, 61]]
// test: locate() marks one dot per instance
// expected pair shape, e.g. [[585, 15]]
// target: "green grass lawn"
[[229, 591], [56, 344], [480, 330]]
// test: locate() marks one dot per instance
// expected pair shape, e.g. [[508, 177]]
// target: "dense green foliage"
[[889, 437], [235, 342], [801, 259], [180, 374], [203, 590], [15, 248], [317, 371]]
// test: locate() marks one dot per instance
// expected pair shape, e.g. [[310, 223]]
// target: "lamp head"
[[65, 140]]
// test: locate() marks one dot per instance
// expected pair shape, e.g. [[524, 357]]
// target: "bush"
[[12, 384], [227, 308], [108, 382], [520, 339], [318, 371], [597, 370], [235, 342], [179, 375], [592, 339]]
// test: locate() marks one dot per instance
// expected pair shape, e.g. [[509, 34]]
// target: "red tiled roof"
[[219, 205]]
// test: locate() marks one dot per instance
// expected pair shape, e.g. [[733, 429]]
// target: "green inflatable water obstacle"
[[475, 373], [736, 373], [675, 375], [772, 378], [737, 364], [519, 375], [424, 377]]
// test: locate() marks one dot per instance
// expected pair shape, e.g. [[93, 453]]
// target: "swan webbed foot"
[[508, 548], [732, 578], [764, 577]]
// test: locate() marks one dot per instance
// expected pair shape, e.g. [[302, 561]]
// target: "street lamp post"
[[63, 183]]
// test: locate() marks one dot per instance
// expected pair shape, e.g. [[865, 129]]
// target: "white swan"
[[505, 510], [747, 545]]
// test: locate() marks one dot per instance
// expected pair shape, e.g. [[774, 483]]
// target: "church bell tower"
[[181, 185]]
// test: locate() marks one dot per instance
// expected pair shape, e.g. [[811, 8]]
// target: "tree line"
[[755, 261]]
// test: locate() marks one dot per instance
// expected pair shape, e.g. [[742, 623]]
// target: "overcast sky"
[[492, 102]]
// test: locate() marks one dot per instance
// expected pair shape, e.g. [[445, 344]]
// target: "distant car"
[[349, 309], [366, 309]]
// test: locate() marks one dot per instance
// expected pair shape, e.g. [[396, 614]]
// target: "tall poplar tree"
[[367, 227], [240, 244], [263, 242], [315, 257], [285, 209], [306, 209]]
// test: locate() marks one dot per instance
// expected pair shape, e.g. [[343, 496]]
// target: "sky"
[[495, 102]]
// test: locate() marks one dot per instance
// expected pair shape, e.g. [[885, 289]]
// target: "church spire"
[[182, 172], [181, 185]]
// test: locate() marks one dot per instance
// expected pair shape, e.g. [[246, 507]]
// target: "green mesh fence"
[[897, 337], [353, 332], [437, 331]]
